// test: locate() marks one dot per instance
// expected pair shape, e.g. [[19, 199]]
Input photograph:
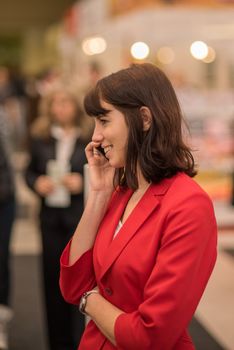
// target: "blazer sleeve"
[[183, 266], [32, 172], [77, 278]]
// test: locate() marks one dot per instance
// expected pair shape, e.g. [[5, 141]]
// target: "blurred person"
[[145, 246], [55, 174], [12, 99], [7, 87], [7, 215]]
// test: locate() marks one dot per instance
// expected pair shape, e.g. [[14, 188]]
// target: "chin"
[[113, 164], [117, 165]]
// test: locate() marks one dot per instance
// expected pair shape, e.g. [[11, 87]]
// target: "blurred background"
[[77, 42]]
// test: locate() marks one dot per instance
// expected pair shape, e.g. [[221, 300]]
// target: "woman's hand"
[[73, 182], [101, 174], [44, 185], [100, 179]]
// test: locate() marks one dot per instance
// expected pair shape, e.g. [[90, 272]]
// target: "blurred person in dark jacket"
[[55, 174], [7, 214]]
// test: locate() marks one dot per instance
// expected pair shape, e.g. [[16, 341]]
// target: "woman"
[[55, 174], [145, 246]]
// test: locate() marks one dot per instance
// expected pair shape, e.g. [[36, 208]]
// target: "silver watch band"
[[83, 300]]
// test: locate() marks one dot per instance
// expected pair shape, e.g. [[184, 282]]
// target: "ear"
[[146, 117]]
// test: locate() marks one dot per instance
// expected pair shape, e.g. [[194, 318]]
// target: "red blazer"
[[155, 269]]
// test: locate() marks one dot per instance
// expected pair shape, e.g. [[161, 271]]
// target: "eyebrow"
[[103, 114]]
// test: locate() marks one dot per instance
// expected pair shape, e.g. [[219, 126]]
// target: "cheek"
[[71, 110], [125, 142]]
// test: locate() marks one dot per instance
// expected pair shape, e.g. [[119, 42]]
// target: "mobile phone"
[[101, 150]]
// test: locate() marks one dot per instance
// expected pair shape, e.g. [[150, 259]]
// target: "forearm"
[[84, 236], [104, 314]]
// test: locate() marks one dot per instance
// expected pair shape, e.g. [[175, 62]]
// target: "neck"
[[142, 183], [68, 127]]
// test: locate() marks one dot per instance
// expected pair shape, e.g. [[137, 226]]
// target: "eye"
[[103, 121]]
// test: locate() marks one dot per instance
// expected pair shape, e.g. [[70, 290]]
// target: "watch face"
[[83, 301], [82, 304]]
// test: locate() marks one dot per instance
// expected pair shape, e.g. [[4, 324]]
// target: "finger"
[[89, 151], [96, 152], [92, 145], [92, 151]]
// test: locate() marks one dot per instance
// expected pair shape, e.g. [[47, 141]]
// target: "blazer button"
[[108, 291]]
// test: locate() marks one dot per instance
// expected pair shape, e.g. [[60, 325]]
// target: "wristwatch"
[[83, 300]]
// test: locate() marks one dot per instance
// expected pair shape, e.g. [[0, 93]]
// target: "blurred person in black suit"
[[55, 174], [7, 215]]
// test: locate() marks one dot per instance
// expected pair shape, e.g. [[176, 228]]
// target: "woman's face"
[[111, 131], [63, 109]]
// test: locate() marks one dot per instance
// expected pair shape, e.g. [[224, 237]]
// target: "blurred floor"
[[215, 312]]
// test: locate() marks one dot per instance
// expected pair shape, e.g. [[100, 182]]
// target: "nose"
[[97, 134]]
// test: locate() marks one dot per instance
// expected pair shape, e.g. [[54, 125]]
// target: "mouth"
[[107, 149]]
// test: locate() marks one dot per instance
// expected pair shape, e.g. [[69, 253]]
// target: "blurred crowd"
[[43, 118]]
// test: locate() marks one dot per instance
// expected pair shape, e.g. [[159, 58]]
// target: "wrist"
[[84, 300], [101, 195], [98, 200]]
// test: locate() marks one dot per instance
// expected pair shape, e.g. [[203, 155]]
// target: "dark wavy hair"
[[160, 151]]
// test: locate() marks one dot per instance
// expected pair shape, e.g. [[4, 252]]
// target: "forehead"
[[105, 105]]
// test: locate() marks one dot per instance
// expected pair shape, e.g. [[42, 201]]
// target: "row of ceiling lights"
[[140, 50]]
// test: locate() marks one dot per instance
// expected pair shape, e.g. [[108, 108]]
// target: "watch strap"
[[83, 300]]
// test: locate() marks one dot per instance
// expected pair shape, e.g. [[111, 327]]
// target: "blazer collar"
[[107, 248]]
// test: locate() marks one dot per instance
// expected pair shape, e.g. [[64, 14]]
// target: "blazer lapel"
[[107, 248], [109, 224], [114, 247], [51, 148]]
